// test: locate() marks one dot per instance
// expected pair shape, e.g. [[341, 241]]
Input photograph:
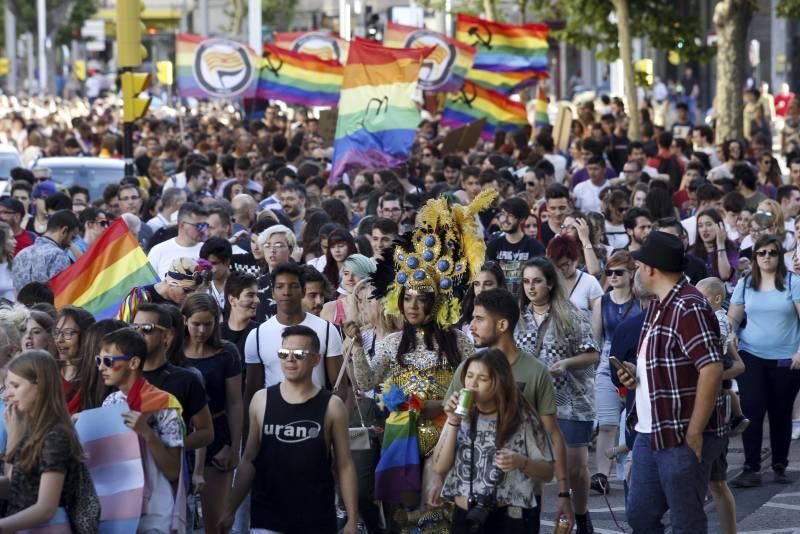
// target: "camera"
[[480, 506]]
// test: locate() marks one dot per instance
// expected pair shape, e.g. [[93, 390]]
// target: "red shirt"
[[782, 104], [24, 240], [74, 403]]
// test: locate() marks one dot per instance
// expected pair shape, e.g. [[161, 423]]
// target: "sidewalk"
[[770, 509]]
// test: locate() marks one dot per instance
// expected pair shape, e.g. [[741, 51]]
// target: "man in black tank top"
[[287, 460]]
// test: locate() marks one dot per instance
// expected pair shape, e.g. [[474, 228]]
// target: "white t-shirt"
[[617, 237], [158, 222], [585, 291], [690, 224], [644, 423], [587, 196], [265, 351], [559, 164], [161, 255]]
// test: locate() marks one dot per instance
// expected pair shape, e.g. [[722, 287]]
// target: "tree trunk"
[[489, 10], [731, 21], [626, 55]]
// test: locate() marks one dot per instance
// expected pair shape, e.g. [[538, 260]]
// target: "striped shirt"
[[683, 337]]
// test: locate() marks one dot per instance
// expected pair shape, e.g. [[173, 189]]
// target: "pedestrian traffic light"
[[164, 72], [79, 69], [130, 30], [133, 83]]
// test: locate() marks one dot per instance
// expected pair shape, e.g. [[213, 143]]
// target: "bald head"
[[712, 289], [244, 209]]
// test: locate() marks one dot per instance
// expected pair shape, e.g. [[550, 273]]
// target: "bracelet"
[[451, 424], [565, 494], [587, 247], [721, 251]]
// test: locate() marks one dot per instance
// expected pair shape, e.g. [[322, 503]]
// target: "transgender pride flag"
[[115, 464]]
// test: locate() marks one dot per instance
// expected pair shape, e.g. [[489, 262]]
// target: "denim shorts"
[[576, 433]]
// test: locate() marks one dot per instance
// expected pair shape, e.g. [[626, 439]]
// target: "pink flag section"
[[115, 464]]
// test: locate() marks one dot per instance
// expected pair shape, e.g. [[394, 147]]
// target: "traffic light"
[[133, 83], [164, 72], [130, 30]]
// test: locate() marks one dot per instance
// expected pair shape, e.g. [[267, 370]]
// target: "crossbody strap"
[[345, 363]]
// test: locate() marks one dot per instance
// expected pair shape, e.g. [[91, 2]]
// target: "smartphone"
[[621, 367]]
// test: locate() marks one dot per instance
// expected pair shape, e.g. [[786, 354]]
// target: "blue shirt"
[[772, 331]]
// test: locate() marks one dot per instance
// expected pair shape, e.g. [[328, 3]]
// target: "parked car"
[[92, 173]]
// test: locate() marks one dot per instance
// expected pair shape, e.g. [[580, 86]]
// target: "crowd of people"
[[413, 348]]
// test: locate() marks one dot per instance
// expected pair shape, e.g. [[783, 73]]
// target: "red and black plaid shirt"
[[683, 338]]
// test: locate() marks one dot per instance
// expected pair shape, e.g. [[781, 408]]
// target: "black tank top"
[[293, 491]]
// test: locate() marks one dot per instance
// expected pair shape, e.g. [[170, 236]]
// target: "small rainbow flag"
[[503, 82], [317, 43], [378, 119], [505, 47], [442, 71], [101, 278], [214, 68], [475, 102], [298, 78], [542, 119]]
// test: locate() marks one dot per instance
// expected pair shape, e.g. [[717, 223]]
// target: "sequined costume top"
[[423, 374]]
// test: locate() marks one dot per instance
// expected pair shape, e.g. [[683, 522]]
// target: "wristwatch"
[[565, 494]]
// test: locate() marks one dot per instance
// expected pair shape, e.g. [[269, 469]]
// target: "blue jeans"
[[670, 479]]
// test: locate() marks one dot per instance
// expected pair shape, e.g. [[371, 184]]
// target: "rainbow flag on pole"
[[542, 118], [214, 68], [298, 78], [475, 102], [503, 82], [317, 43], [445, 69], [378, 119], [101, 278], [505, 47]]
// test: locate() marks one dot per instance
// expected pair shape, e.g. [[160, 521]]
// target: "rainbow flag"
[[102, 277], [400, 467], [474, 102], [298, 78], [317, 43], [214, 68], [505, 47], [442, 71], [542, 119], [503, 82], [378, 120], [114, 460]]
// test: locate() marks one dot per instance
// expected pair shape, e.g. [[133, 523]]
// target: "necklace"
[[485, 413]]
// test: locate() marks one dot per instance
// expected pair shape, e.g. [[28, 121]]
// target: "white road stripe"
[[783, 505]]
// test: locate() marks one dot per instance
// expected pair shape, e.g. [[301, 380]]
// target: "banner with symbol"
[[505, 47], [298, 78], [474, 102], [214, 68]]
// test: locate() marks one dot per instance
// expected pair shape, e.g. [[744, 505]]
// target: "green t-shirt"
[[533, 379]]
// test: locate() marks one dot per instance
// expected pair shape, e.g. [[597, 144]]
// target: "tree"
[[278, 14], [64, 17], [731, 21], [613, 25]]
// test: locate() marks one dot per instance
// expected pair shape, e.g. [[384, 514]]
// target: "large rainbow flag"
[[475, 102], [298, 78], [399, 469], [101, 278], [442, 71], [317, 43], [214, 68], [505, 47], [502, 82], [378, 119]]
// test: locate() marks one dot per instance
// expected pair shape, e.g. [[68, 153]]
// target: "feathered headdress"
[[443, 255]]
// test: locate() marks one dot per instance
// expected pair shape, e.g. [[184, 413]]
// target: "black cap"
[[663, 251], [13, 204]]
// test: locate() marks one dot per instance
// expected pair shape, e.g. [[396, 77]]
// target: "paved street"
[[770, 509]]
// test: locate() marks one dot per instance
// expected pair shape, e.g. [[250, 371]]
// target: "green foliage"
[[64, 17], [789, 9], [588, 23], [278, 14]]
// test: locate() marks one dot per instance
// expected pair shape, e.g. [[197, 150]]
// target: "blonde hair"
[[774, 209], [264, 236]]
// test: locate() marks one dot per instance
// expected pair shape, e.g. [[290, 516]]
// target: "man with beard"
[[494, 318], [637, 222], [293, 204], [513, 248], [317, 290]]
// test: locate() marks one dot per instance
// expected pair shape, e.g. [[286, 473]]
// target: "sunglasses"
[[622, 209], [108, 361], [298, 354], [530, 184], [146, 328], [615, 272], [201, 227], [772, 253], [102, 222]]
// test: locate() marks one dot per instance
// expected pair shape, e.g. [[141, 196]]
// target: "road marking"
[[601, 510], [771, 531], [795, 494], [782, 505]]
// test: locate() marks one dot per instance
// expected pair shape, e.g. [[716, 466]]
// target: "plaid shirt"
[[683, 338]]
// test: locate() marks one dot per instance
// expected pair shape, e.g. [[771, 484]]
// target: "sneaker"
[[746, 479], [780, 477], [739, 424], [600, 483]]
